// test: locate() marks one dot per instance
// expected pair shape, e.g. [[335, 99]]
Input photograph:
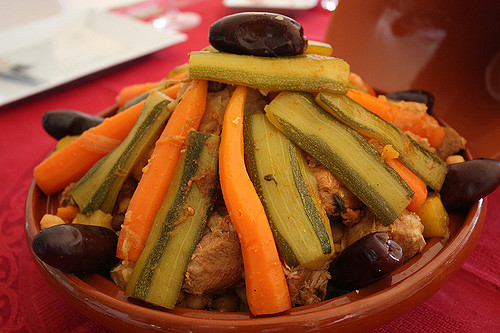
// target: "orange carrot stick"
[[158, 173], [180, 76], [68, 213], [266, 287], [358, 81], [425, 126], [72, 162], [384, 110], [134, 90], [417, 185], [172, 91], [129, 92]]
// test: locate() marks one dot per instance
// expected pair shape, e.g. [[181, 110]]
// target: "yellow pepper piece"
[[434, 217]]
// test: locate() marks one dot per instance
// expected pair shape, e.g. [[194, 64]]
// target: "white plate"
[[69, 46], [278, 4]]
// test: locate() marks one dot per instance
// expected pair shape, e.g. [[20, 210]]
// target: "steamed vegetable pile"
[[325, 179]]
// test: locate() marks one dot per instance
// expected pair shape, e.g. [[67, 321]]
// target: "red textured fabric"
[[469, 302]]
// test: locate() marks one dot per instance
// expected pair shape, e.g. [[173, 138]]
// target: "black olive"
[[259, 34], [59, 123], [77, 248], [365, 261], [467, 182], [420, 96]]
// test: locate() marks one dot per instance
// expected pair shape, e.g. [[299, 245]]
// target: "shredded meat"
[[424, 142], [214, 113], [336, 198], [406, 231], [306, 286], [338, 236], [142, 162], [452, 143], [65, 198], [415, 110], [217, 104], [255, 102], [216, 264], [122, 273], [124, 196]]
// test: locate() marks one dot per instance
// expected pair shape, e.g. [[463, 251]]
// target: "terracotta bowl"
[[448, 47], [100, 299], [394, 45]]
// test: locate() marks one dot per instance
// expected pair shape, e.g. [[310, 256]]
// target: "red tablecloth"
[[469, 302]]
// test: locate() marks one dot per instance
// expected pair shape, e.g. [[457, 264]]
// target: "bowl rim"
[[396, 299]]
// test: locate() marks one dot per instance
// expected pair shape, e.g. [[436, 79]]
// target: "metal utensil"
[[17, 72]]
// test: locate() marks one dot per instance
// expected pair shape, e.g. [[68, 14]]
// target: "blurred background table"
[[469, 302]]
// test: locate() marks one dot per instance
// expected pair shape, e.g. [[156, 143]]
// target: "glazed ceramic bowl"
[[448, 47], [394, 45], [100, 299]]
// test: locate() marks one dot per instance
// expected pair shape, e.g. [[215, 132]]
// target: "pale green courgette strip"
[[287, 189], [307, 72], [427, 165], [99, 187], [179, 224], [343, 151]]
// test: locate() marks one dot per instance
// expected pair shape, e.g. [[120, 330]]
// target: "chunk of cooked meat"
[[122, 273], [214, 113], [337, 235], [406, 231], [216, 264], [336, 198], [306, 286], [217, 104], [255, 102], [196, 302], [124, 196], [412, 112], [452, 143], [424, 142], [137, 170], [65, 198]]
